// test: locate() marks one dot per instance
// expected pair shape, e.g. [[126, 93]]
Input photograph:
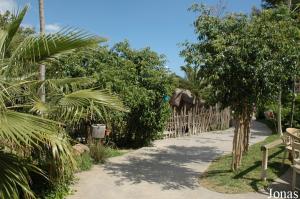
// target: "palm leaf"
[[42, 48], [14, 176], [68, 84], [83, 98], [25, 129], [7, 35]]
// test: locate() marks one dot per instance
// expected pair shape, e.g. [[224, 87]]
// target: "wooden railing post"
[[264, 163]]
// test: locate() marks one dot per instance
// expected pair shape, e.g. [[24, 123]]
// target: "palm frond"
[[42, 48], [98, 97], [40, 107], [25, 129], [7, 34], [84, 104], [68, 84], [14, 176]]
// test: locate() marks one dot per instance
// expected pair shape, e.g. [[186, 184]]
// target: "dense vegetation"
[[35, 152], [73, 98], [239, 61], [138, 77]]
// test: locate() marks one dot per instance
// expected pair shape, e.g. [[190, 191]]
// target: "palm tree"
[[192, 79], [23, 132], [42, 90]]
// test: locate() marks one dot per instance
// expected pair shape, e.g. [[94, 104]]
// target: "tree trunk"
[[279, 127], [247, 124], [289, 4], [42, 69], [293, 103], [240, 139]]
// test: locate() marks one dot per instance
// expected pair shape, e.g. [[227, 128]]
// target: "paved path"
[[168, 170]]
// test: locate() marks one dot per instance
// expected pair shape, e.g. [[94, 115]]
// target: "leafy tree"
[[273, 3], [243, 61], [138, 77], [293, 5]]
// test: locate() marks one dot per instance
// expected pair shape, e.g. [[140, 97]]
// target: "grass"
[[220, 178], [100, 153], [115, 152], [84, 161]]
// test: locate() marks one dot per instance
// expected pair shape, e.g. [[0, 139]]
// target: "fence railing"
[[196, 120]]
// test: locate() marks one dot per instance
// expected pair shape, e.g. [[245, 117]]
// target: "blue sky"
[[159, 24]]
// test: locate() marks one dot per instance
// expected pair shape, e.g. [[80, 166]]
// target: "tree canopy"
[[245, 60], [275, 3]]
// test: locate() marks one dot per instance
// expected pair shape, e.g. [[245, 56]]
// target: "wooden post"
[[264, 163]]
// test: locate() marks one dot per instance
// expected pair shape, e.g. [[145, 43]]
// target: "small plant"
[[84, 161], [99, 152]]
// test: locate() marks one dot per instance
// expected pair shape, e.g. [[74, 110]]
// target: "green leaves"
[[6, 35], [37, 49], [24, 135], [245, 58], [14, 176]]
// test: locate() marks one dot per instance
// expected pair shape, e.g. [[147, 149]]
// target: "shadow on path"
[[171, 167]]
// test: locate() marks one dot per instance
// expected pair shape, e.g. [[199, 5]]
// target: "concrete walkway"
[[168, 170]]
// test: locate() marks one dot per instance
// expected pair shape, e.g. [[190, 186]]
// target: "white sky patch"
[[10, 5], [25, 25], [52, 28]]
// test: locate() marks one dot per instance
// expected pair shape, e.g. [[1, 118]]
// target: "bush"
[[286, 111], [138, 77], [45, 189], [98, 152]]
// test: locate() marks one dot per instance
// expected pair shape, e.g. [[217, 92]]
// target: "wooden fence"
[[196, 120]]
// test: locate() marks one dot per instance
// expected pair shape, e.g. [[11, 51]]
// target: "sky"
[[159, 24]]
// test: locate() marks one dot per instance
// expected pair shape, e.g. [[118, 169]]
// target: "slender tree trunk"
[[289, 4], [240, 139], [247, 124], [293, 103], [42, 69], [279, 127]]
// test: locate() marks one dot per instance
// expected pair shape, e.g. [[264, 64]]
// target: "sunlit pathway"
[[169, 170]]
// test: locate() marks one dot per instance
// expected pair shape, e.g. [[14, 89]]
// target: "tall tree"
[[42, 70], [293, 6], [245, 60]]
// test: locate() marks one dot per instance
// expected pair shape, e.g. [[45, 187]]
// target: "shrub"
[[138, 77], [98, 152]]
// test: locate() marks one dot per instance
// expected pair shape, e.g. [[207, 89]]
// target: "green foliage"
[[274, 3], [245, 59], [84, 162], [57, 191], [286, 112], [25, 135], [297, 113], [248, 178], [98, 152], [138, 77], [192, 80]]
